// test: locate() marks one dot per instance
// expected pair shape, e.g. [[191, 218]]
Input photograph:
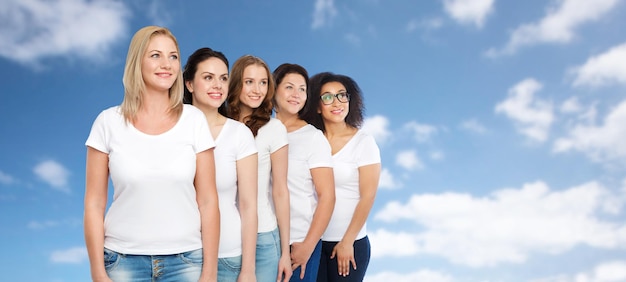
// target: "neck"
[[332, 129], [244, 112], [155, 102], [212, 115]]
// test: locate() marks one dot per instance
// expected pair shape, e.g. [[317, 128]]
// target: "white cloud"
[[558, 26], [39, 225], [426, 24], [611, 271], [571, 105], [387, 180], [533, 116], [437, 155], [422, 132], [353, 39], [377, 126], [469, 11], [34, 30], [601, 143], [6, 179], [506, 226], [324, 13], [603, 69], [473, 125], [409, 160], [393, 244], [420, 275], [54, 174], [72, 255]]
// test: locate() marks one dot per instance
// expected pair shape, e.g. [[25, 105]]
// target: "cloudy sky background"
[[501, 124]]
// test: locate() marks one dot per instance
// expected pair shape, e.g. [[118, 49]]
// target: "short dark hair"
[[283, 70], [191, 67], [356, 110]]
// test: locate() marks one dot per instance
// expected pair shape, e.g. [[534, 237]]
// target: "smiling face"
[[336, 111], [209, 86], [291, 94], [255, 86], [160, 64]]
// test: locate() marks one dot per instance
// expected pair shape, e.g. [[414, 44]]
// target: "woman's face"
[[291, 93], [210, 84], [160, 64], [255, 83], [332, 108]]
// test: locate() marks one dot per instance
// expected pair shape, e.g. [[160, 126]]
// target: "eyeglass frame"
[[335, 96]]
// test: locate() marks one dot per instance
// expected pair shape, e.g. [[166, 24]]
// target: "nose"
[[165, 63]]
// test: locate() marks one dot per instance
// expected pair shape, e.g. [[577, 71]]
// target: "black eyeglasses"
[[328, 98]]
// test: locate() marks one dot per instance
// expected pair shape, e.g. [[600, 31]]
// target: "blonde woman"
[[163, 221]]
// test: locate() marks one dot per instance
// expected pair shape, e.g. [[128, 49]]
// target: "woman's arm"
[[324, 182], [280, 196], [96, 193], [206, 197], [368, 184], [247, 183]]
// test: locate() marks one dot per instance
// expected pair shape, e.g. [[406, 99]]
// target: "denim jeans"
[[267, 256], [159, 268], [328, 271], [310, 273], [228, 269]]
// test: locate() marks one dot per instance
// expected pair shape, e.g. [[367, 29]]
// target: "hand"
[[300, 254], [345, 256], [284, 268], [246, 277], [207, 278]]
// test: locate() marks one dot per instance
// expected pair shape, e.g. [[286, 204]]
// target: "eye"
[[264, 82], [302, 89], [341, 95], [248, 82], [224, 78], [208, 77], [155, 55], [288, 87], [174, 57]]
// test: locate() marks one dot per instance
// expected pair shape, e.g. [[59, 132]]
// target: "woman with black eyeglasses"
[[336, 108]]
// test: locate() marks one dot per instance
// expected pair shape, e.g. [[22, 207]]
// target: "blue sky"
[[501, 124]]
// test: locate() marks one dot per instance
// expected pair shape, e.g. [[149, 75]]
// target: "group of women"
[[209, 185]]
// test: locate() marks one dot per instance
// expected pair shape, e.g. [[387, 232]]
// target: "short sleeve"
[[279, 135], [203, 140], [368, 152], [247, 144], [98, 137], [321, 155]]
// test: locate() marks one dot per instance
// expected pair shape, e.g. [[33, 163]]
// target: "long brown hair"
[[261, 115]]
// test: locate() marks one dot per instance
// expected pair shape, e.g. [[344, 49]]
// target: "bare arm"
[[324, 181], [206, 197], [368, 185], [96, 193], [247, 183], [280, 196]]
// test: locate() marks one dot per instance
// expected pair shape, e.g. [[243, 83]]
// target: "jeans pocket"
[[111, 259], [192, 257]]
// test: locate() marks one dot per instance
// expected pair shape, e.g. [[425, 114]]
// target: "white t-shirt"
[[270, 138], [154, 209], [308, 149], [234, 143], [360, 151]]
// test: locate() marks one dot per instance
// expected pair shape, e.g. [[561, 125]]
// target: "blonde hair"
[[134, 84]]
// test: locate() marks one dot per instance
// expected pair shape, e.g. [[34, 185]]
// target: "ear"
[[189, 86]]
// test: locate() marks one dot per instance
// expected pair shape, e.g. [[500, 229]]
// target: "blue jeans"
[[228, 269], [328, 271], [310, 273], [162, 268], [267, 256]]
